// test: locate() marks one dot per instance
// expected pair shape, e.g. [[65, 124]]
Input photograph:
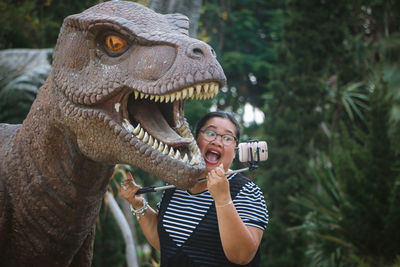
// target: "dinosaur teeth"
[[137, 129], [171, 152], [184, 131], [145, 137], [190, 91], [184, 93], [155, 144], [192, 146], [195, 160], [127, 125], [148, 139], [185, 158], [151, 141], [192, 162], [117, 106], [198, 91], [206, 86], [161, 147], [141, 134], [165, 151], [177, 155]]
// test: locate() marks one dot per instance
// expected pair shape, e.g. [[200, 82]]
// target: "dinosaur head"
[[122, 74]]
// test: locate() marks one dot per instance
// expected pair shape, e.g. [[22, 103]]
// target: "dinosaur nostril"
[[198, 51], [213, 53]]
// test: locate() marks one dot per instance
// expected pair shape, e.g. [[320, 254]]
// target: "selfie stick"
[[252, 152], [149, 189]]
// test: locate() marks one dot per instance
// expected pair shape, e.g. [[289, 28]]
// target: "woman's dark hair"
[[220, 114]]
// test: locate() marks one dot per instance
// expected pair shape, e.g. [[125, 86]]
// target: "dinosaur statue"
[[120, 76]]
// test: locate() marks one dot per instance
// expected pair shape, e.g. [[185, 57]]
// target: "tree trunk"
[[189, 8], [130, 248]]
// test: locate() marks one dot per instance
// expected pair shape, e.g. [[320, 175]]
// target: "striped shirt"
[[185, 210]]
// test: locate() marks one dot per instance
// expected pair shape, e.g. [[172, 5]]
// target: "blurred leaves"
[[354, 206], [35, 24], [22, 73]]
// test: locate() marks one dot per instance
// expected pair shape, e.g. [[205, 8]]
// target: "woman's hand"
[[148, 220], [128, 191], [218, 186]]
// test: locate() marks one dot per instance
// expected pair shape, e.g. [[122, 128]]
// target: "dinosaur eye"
[[115, 43]]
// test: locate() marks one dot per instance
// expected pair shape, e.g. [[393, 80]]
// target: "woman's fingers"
[[129, 176], [218, 185], [218, 172], [129, 191], [129, 181], [129, 187]]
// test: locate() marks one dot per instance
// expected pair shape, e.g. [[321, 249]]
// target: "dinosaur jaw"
[[143, 130]]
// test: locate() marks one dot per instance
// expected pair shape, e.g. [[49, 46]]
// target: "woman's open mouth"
[[212, 156]]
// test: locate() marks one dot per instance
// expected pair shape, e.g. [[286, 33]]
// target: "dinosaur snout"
[[200, 50]]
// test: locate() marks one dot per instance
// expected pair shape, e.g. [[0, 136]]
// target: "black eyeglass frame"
[[217, 134]]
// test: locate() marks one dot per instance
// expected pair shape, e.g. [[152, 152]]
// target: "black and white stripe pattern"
[[186, 210]]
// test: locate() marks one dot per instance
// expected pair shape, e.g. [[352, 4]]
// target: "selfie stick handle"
[[149, 189]]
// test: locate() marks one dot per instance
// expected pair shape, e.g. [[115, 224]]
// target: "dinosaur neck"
[[58, 187], [58, 190], [55, 157]]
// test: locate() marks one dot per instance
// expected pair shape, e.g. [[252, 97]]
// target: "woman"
[[219, 221]]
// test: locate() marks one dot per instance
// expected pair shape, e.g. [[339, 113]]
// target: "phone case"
[[246, 149]]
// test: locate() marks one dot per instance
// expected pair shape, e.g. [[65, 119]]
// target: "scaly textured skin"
[[98, 108]]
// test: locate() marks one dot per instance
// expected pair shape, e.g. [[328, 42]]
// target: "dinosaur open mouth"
[[158, 121]]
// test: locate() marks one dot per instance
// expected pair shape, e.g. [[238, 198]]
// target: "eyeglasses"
[[227, 139]]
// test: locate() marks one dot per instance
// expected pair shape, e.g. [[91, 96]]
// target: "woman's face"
[[215, 152]]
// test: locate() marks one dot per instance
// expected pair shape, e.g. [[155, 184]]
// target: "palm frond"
[[323, 223], [354, 100]]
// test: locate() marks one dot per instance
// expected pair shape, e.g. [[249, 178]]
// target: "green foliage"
[[372, 166], [323, 225], [35, 24], [354, 213], [326, 58], [389, 70], [310, 42], [243, 34], [22, 73], [17, 96], [194, 110]]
